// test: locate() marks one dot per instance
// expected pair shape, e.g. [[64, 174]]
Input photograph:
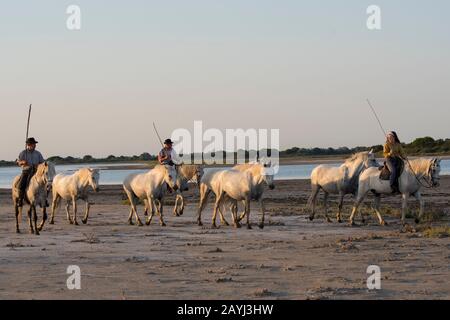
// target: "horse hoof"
[[84, 221], [37, 233], [237, 226], [417, 220], [311, 218], [52, 222], [163, 224], [17, 231], [76, 223], [329, 220], [261, 226], [130, 223], [352, 224], [384, 223], [147, 223], [339, 220], [249, 227]]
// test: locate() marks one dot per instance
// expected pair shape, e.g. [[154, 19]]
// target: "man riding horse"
[[28, 160], [167, 155], [394, 154]]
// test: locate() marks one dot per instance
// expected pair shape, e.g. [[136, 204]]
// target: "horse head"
[[170, 177], [94, 179], [434, 171]]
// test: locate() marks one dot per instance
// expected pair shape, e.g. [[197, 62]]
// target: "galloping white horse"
[[416, 172], [36, 195], [73, 187], [341, 180], [150, 187]]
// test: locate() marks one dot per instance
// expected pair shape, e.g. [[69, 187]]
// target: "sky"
[[304, 67]]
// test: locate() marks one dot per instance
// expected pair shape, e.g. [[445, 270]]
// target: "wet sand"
[[292, 258]]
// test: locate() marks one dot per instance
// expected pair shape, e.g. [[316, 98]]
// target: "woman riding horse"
[[394, 154]]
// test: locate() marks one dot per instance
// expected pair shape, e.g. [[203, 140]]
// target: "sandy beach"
[[292, 258]]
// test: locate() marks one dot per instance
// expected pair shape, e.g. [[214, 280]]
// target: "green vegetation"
[[419, 147]]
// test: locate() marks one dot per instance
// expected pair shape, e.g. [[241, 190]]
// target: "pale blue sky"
[[305, 67]]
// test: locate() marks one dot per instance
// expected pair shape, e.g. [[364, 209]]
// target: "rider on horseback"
[[28, 160], [167, 155], [394, 154]]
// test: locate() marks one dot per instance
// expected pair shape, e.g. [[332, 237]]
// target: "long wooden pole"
[[28, 124]]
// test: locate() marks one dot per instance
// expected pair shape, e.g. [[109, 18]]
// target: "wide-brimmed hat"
[[31, 141], [168, 141]]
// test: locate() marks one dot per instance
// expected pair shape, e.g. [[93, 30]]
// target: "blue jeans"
[[393, 163]]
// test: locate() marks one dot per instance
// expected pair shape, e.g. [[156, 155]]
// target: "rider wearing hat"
[[28, 160], [394, 154], [167, 155]]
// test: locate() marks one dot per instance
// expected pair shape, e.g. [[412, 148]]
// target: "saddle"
[[385, 173]]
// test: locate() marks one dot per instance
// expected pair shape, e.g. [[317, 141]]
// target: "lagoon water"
[[113, 177]]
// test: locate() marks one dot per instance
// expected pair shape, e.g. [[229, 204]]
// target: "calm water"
[[111, 177]]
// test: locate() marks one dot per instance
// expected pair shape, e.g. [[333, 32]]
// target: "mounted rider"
[[28, 160], [394, 154], [167, 155]]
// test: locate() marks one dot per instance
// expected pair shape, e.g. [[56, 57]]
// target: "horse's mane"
[[420, 165], [355, 157]]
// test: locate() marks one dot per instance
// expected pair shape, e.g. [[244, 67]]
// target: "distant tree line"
[[420, 146]]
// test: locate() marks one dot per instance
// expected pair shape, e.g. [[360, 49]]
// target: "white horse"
[[36, 195], [260, 173], [185, 174], [234, 186], [73, 187], [415, 174], [150, 187], [339, 180]]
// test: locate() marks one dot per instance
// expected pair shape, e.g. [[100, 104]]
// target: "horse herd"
[[244, 183]]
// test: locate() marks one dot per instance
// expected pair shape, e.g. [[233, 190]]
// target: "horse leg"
[[358, 202], [247, 212], [204, 194], [44, 218], [69, 218], [146, 205], [149, 203], [325, 204], [36, 231], [55, 204], [160, 209], [263, 212], [405, 197], [377, 203], [223, 221], [419, 198], [18, 214], [341, 205], [134, 209], [234, 213], [86, 215], [176, 210], [216, 207], [183, 205], [74, 205], [30, 223], [312, 201]]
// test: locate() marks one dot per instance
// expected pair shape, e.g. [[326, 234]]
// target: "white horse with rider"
[[71, 188], [341, 180], [150, 187], [36, 195], [417, 173]]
